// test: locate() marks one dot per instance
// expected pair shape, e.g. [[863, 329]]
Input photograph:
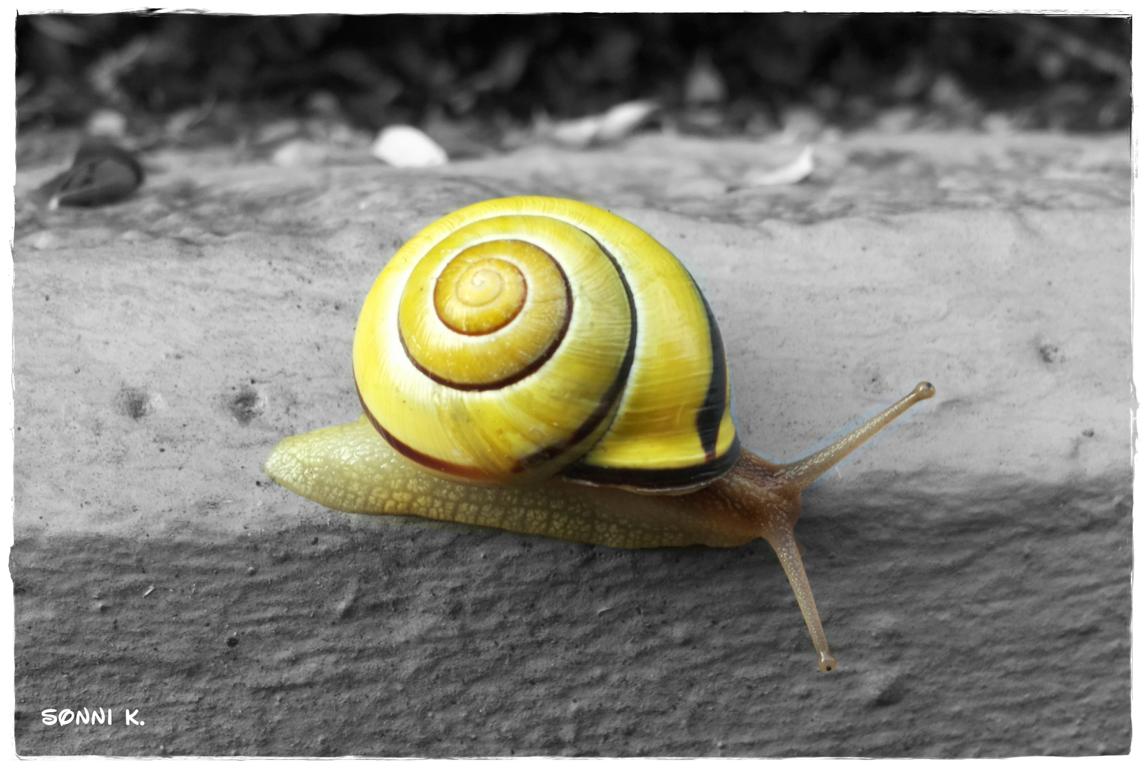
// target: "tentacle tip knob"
[[828, 662], [924, 390]]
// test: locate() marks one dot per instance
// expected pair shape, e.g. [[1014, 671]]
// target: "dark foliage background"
[[711, 72]]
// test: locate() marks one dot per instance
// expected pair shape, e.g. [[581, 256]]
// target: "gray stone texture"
[[972, 564]]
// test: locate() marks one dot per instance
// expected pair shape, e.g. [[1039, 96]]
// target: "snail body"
[[545, 367]]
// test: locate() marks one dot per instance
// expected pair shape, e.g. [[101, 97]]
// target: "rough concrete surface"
[[972, 564]]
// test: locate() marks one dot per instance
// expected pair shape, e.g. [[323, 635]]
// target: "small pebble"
[[323, 103], [300, 153], [704, 85], [279, 130], [404, 146], [101, 173], [107, 123], [43, 241]]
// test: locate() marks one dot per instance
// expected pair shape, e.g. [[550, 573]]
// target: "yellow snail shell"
[[519, 338]]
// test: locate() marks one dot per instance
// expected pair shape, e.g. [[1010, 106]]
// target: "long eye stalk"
[[800, 474], [778, 514]]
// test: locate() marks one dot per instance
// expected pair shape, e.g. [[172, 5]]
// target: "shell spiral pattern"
[[525, 337]]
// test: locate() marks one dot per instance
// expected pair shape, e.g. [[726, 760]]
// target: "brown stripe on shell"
[[708, 420], [445, 467], [711, 413], [610, 397]]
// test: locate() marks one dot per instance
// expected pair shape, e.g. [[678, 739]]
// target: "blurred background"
[[481, 83]]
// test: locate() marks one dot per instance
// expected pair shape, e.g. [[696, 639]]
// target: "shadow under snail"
[[543, 366]]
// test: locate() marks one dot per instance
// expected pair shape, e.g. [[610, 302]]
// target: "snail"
[[544, 366]]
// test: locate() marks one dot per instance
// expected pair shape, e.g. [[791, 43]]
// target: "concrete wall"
[[972, 564]]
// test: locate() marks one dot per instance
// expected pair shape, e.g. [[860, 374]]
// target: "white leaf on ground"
[[792, 173], [404, 146], [573, 133], [625, 118], [610, 126]]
